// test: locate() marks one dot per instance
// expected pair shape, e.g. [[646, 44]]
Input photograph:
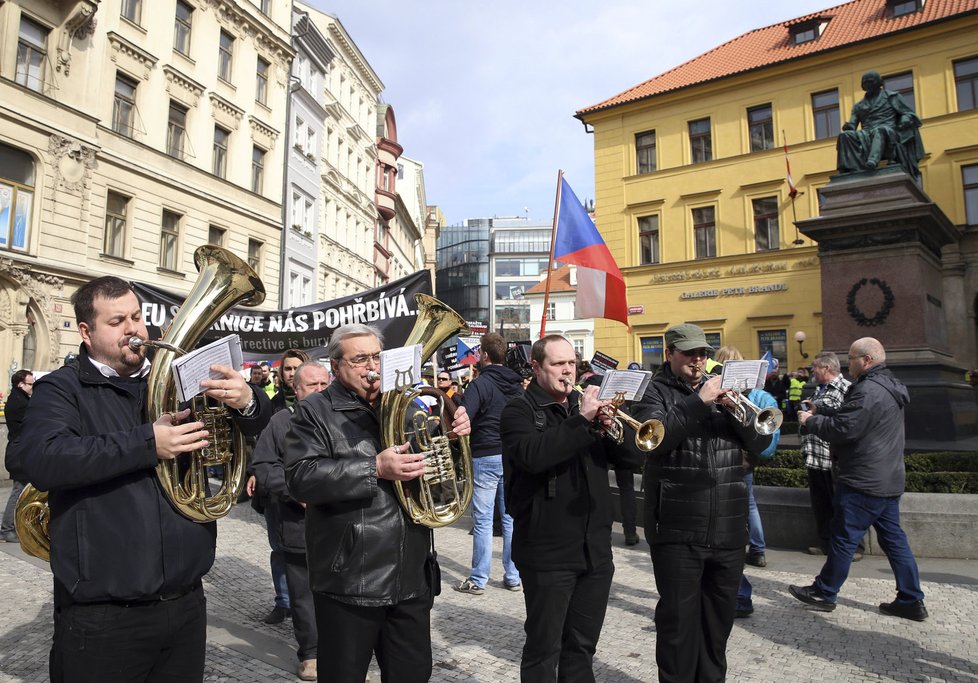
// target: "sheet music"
[[631, 383], [400, 368], [190, 368], [743, 375]]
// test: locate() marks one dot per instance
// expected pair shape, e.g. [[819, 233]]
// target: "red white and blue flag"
[[600, 285]]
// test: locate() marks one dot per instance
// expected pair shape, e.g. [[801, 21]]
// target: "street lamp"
[[800, 337]]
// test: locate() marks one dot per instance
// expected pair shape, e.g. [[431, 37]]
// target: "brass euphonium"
[[439, 496], [224, 281]]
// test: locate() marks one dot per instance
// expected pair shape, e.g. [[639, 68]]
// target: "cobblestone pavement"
[[479, 638]]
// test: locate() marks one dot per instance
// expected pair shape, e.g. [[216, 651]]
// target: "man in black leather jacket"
[[695, 509], [555, 464], [366, 558], [128, 603], [22, 384]]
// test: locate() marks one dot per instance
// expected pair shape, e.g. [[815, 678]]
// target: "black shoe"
[[756, 559], [277, 615], [9, 537], [743, 613], [631, 538], [812, 596], [905, 610]]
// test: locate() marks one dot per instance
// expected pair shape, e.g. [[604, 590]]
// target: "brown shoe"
[[307, 670]]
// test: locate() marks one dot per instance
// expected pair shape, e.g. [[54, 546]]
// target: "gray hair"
[[334, 350], [829, 361], [306, 366], [868, 346]]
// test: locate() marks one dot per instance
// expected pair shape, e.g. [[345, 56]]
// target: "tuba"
[[439, 496], [224, 281]]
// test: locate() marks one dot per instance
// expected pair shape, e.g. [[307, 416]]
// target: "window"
[[215, 235], [551, 310], [966, 83], [760, 122], [31, 54], [16, 197], [653, 352], [225, 49], [766, 233], [254, 255], [221, 152], [266, 7], [257, 169], [645, 152], [825, 110], [181, 27], [176, 131], [970, 176], [700, 141], [124, 105], [132, 10], [903, 84], [261, 82], [169, 238], [648, 239], [775, 341], [116, 213], [807, 31], [705, 232], [900, 7]]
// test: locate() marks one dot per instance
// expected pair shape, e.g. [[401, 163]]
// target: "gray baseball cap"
[[686, 337]]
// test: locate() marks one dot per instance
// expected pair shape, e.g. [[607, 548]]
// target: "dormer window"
[[807, 31], [898, 8]]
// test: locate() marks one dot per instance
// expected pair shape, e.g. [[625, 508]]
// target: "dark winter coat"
[[268, 463], [484, 400], [15, 410]]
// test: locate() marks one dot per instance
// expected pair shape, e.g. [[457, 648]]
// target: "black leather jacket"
[[694, 481], [15, 411], [360, 545]]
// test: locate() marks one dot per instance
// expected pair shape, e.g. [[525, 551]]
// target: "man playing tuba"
[[128, 603]]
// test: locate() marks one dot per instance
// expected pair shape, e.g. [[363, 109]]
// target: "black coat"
[[15, 410], [361, 547], [114, 535], [556, 481], [694, 481], [484, 400], [268, 463]]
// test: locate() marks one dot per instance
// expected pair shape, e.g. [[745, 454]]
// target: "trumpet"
[[764, 421], [648, 434]]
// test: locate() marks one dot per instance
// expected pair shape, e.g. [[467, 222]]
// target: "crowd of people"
[[358, 578]]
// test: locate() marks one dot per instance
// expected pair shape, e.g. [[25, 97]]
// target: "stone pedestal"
[[879, 242]]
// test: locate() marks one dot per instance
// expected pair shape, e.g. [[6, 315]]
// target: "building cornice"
[[131, 55], [182, 86]]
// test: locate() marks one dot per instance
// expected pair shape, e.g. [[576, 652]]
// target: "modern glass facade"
[[462, 274]]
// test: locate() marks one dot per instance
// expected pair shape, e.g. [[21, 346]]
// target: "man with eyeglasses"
[[22, 385], [695, 509], [366, 558], [867, 437]]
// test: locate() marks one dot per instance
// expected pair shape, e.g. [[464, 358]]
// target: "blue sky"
[[485, 92]]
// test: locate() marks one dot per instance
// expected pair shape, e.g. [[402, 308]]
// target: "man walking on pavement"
[[22, 384]]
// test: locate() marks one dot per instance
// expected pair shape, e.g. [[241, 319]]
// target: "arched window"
[[16, 198]]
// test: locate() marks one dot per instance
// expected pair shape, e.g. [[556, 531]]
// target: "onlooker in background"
[[285, 516], [695, 509], [830, 391], [266, 381], [291, 360], [484, 401], [867, 435], [22, 385], [444, 383], [795, 386]]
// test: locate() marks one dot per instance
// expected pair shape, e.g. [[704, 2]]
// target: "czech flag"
[[465, 354], [600, 285]]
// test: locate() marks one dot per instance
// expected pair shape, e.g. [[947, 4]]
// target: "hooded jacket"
[[484, 400], [867, 433]]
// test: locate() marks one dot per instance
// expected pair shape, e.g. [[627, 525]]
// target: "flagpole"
[[550, 262], [792, 190]]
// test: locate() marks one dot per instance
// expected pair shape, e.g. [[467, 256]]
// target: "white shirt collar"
[[110, 372]]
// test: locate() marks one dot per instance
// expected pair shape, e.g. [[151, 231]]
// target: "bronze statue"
[[889, 132]]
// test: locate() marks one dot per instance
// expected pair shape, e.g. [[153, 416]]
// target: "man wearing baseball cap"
[[695, 508]]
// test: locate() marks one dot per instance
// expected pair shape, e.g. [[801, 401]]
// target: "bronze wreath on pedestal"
[[861, 318]]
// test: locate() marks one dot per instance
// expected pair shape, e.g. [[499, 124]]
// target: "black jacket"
[[867, 433], [556, 481], [15, 410], [694, 481], [114, 535], [361, 547], [484, 400], [268, 463]]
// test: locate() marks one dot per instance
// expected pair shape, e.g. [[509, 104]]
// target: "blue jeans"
[[755, 532], [487, 475], [855, 512], [744, 594], [276, 558]]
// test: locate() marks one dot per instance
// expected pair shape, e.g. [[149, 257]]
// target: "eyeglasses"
[[360, 361], [695, 352], [444, 379]]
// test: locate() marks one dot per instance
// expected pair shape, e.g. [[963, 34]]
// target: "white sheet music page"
[[631, 383], [743, 375], [189, 369], [400, 368]]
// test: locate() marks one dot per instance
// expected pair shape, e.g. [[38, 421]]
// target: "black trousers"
[[698, 594], [821, 489], [148, 642], [303, 607], [399, 635], [564, 615], [626, 496]]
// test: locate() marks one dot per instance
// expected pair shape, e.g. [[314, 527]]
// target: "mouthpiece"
[[135, 343], [373, 376]]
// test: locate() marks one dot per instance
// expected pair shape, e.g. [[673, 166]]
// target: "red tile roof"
[[851, 23], [559, 282]]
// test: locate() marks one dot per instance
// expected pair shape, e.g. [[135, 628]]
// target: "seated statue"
[[889, 132]]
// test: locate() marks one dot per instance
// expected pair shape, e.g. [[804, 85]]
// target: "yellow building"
[[690, 176]]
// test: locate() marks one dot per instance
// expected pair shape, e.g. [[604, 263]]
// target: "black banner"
[[265, 335]]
